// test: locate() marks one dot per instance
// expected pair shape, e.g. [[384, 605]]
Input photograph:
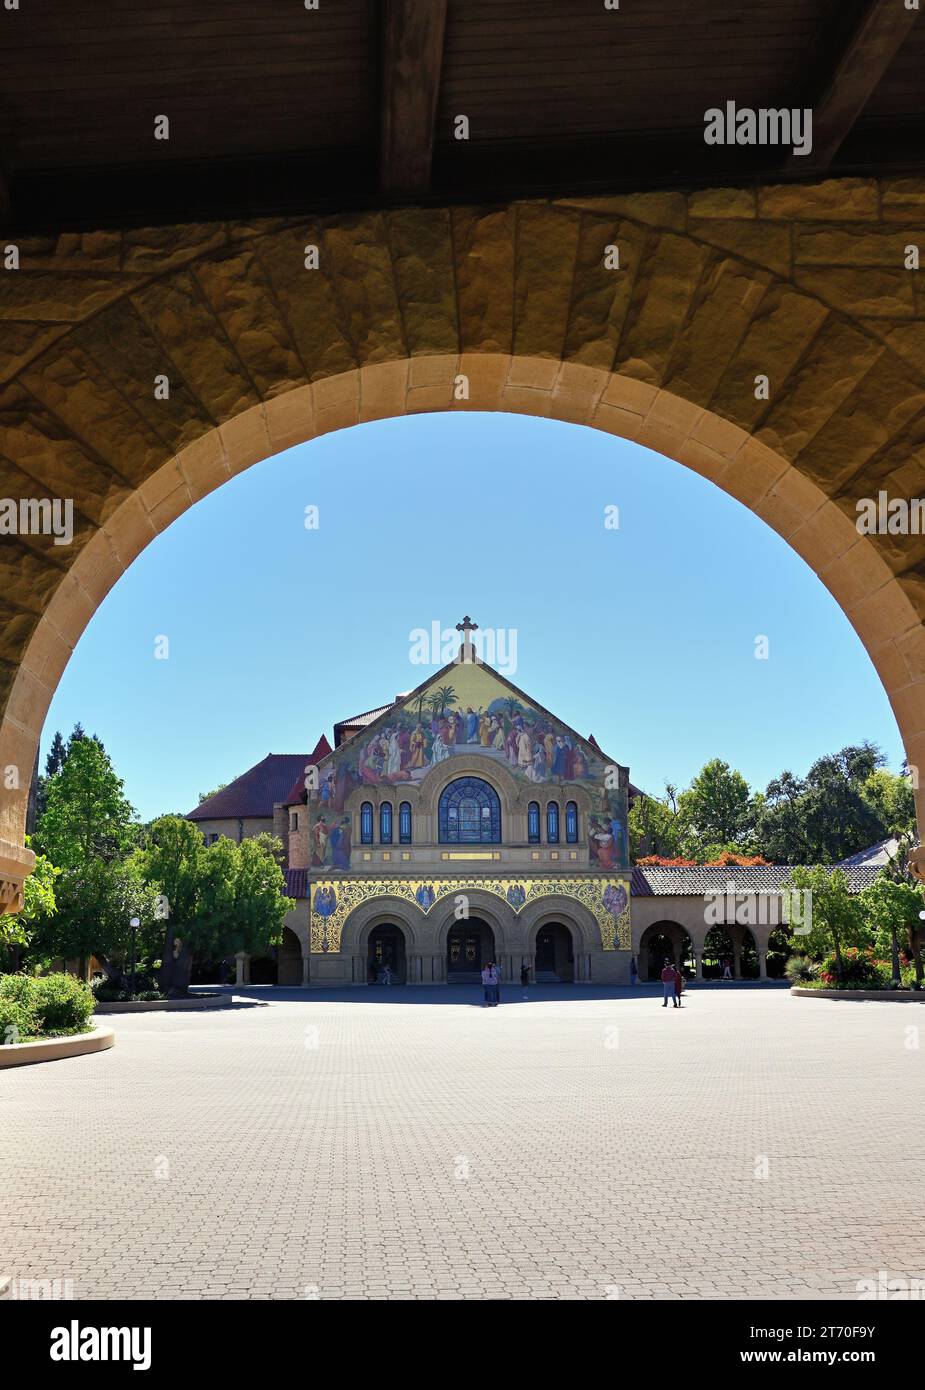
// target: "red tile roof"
[[256, 791]]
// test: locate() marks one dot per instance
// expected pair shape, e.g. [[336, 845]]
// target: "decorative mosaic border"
[[333, 900]]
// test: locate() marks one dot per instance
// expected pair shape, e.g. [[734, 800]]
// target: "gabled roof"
[[256, 791]]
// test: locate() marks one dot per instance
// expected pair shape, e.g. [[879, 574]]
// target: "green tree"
[[837, 920], [220, 900], [826, 816], [654, 828], [95, 905], [87, 817], [716, 811], [892, 799], [892, 909], [204, 796]]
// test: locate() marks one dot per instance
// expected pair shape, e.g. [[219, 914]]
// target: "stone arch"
[[679, 942], [363, 920], [411, 310], [482, 903], [559, 907]]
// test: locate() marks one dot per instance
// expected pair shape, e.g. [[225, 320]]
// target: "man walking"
[[678, 986], [668, 991]]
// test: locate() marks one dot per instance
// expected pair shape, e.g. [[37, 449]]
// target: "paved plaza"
[[584, 1143]]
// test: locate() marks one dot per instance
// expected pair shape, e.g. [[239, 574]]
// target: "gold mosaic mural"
[[333, 900]]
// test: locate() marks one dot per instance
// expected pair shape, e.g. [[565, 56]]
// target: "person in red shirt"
[[678, 986], [668, 985]]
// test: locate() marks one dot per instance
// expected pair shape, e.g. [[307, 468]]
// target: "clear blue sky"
[[643, 636]]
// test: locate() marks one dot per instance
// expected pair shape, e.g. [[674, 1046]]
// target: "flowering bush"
[[861, 970]]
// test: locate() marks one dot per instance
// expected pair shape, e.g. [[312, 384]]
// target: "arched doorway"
[[717, 950], [470, 945], [289, 959], [780, 949], [748, 956], [664, 941], [387, 957], [555, 954]]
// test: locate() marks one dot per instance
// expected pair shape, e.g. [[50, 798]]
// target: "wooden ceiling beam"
[[847, 84], [412, 57]]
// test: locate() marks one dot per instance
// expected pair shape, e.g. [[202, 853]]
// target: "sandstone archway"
[[805, 285]]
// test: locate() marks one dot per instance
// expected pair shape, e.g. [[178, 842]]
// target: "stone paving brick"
[[431, 1149]]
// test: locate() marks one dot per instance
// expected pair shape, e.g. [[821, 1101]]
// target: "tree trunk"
[[116, 977], [915, 946], [839, 967], [894, 952]]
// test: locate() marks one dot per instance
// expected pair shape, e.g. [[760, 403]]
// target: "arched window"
[[533, 822], [385, 823], [552, 822], [571, 823], [366, 823], [469, 813], [404, 823]]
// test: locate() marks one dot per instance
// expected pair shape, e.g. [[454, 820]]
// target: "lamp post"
[[134, 924]]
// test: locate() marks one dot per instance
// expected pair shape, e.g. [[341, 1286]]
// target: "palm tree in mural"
[[446, 697], [513, 706]]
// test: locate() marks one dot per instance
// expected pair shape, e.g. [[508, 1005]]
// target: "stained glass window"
[[385, 823], [571, 823], [533, 822], [469, 813], [366, 823], [552, 823], [404, 823]]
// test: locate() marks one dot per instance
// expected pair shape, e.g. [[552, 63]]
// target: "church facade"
[[461, 824]]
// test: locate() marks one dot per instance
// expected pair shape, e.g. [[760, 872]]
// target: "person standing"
[[667, 978], [727, 969], [634, 973], [486, 986], [387, 974], [524, 973], [678, 987], [495, 984]]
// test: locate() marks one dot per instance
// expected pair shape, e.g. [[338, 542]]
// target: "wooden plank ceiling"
[[276, 108]]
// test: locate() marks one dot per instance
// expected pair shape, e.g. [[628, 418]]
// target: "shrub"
[[59, 1004], [800, 969], [18, 989], [16, 1022], [861, 970]]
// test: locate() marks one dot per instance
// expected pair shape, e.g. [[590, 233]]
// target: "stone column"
[[736, 959], [762, 963], [242, 969], [698, 962], [305, 971]]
